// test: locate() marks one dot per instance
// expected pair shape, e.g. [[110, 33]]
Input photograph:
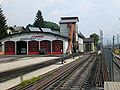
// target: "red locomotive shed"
[[33, 47], [34, 44], [9, 48], [57, 47], [46, 45]]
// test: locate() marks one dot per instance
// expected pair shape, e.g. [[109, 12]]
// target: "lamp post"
[[101, 41], [118, 38]]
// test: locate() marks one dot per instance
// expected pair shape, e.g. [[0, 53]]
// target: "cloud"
[[1, 1], [92, 13], [86, 7]]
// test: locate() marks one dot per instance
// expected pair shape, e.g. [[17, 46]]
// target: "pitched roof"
[[34, 29], [46, 29], [16, 28], [66, 18], [80, 35], [88, 40], [69, 20]]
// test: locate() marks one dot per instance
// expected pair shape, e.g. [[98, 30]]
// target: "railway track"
[[116, 68], [70, 76], [116, 61], [90, 82], [10, 74], [76, 79]]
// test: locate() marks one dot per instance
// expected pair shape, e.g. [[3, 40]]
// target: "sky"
[[94, 15]]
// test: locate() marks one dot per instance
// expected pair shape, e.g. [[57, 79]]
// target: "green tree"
[[96, 38], [51, 25], [39, 21], [3, 25]]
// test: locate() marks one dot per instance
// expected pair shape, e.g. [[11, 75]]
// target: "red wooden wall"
[[57, 47], [9, 48], [33, 47]]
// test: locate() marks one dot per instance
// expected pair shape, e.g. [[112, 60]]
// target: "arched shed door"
[[33, 47], [57, 47], [46, 45], [9, 48], [21, 47]]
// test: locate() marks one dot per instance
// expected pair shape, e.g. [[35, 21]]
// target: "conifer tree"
[[3, 26], [39, 21]]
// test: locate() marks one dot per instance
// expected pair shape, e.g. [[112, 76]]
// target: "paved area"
[[16, 81], [12, 58], [6, 58], [23, 62], [9, 58], [112, 86]]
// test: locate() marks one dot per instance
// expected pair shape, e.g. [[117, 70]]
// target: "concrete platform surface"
[[16, 81], [23, 62], [112, 86]]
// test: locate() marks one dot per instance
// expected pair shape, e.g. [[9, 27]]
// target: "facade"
[[31, 43], [88, 44], [80, 42], [56, 31], [15, 29], [32, 39], [69, 28]]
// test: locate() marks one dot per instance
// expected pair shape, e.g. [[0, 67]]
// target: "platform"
[[21, 62], [112, 86], [16, 81]]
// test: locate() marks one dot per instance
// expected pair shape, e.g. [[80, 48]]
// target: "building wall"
[[56, 31], [90, 45], [65, 45], [33, 36], [93, 47], [37, 37], [64, 30], [9, 31], [76, 30], [80, 42]]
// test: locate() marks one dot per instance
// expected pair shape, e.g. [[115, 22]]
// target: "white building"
[[32, 39], [15, 29], [30, 43], [80, 42], [88, 44]]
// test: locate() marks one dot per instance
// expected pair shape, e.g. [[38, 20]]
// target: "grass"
[[29, 81], [33, 80], [78, 59]]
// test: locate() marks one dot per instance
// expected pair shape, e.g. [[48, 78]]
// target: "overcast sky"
[[93, 14]]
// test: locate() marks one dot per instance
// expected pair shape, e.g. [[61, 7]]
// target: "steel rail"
[[39, 85], [63, 72], [116, 61], [10, 74], [76, 80]]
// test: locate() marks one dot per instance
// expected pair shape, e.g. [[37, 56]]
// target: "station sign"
[[32, 38]]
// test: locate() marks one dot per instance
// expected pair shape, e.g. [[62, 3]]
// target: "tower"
[[69, 28]]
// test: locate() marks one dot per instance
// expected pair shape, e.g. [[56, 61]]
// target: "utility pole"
[[118, 40], [112, 72], [101, 41], [108, 42], [113, 43]]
